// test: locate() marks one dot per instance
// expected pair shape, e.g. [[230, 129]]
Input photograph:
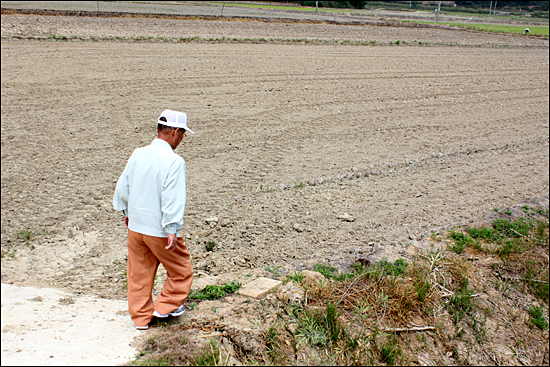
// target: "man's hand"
[[172, 241], [126, 221]]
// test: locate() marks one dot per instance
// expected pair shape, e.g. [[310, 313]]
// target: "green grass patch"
[[537, 317], [485, 233], [24, 235], [460, 304], [341, 318], [216, 291], [321, 326], [390, 352], [508, 235], [536, 277], [210, 246], [460, 241], [521, 244], [210, 355], [331, 272], [382, 268], [397, 268], [296, 277]]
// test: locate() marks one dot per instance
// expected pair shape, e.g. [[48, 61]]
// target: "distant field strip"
[[502, 28]]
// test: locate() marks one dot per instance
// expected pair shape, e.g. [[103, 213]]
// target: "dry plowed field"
[[303, 153]]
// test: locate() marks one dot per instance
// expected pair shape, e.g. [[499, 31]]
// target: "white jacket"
[[151, 190]]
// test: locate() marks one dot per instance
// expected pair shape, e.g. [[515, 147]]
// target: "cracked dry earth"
[[303, 154]]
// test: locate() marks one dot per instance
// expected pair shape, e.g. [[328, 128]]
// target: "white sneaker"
[[177, 312]]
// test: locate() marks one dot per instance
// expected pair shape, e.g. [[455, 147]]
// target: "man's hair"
[[165, 129]]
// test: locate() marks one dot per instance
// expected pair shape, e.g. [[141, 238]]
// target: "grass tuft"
[[210, 355], [210, 246], [215, 291], [537, 317]]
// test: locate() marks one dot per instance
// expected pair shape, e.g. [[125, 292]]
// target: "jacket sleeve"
[[122, 192], [173, 196]]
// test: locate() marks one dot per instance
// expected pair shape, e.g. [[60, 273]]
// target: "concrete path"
[[45, 326]]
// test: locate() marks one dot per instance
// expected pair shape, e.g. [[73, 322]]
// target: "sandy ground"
[[303, 154], [45, 326]]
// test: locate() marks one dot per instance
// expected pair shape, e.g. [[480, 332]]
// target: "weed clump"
[[346, 318], [460, 241], [519, 244], [210, 355], [537, 317], [210, 246], [390, 352], [460, 303], [215, 291]]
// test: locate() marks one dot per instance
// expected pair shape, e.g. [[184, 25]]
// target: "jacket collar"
[[161, 143]]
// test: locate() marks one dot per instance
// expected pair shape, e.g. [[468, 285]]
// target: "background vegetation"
[[537, 9]]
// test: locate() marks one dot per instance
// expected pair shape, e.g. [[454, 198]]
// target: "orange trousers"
[[144, 255]]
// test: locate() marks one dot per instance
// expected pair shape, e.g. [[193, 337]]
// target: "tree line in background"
[[531, 5], [336, 4], [473, 6]]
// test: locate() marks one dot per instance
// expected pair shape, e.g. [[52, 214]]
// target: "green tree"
[[336, 4]]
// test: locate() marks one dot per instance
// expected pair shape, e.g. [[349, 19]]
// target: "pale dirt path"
[[46, 326]]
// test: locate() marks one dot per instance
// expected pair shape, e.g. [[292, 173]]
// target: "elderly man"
[[151, 195]]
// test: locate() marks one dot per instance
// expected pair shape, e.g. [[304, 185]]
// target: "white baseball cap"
[[175, 119]]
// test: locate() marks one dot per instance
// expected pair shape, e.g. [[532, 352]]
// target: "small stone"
[[297, 227], [259, 287], [346, 217], [311, 277], [212, 221]]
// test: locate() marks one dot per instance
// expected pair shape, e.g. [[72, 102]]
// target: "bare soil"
[[303, 154]]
